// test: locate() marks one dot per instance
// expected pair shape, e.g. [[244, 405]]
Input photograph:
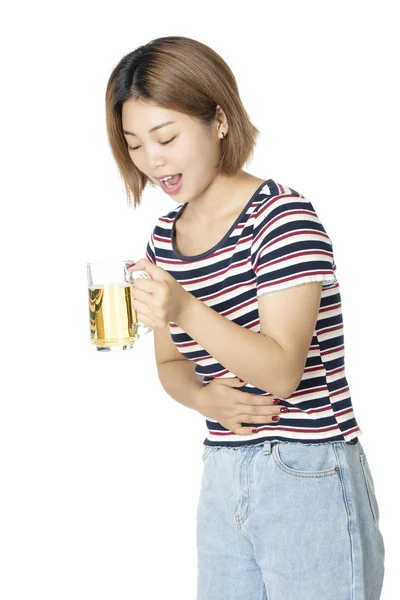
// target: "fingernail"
[[275, 418], [254, 430], [276, 401], [241, 380], [132, 265], [284, 409]]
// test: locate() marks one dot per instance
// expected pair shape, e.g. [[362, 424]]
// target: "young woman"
[[243, 285]]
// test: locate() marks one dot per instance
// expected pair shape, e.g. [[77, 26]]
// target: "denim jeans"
[[288, 521]]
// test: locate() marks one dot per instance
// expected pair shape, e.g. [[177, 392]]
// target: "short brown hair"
[[184, 75]]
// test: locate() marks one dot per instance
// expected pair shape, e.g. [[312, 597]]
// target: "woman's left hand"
[[157, 300]]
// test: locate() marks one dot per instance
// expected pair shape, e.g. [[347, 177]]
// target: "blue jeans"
[[288, 521]]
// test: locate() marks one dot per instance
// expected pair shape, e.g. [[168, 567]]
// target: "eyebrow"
[[152, 129]]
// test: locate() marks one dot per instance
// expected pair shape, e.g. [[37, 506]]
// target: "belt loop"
[[267, 447]]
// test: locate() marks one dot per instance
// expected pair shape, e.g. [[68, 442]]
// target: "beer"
[[113, 319]]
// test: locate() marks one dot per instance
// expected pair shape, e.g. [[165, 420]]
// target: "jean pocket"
[[207, 450], [306, 460], [370, 487]]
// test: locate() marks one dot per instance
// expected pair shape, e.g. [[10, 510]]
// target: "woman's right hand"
[[220, 401]]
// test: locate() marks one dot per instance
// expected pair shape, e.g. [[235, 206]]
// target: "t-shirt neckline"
[[220, 243]]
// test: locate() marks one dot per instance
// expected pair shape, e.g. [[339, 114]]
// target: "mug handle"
[[130, 277]]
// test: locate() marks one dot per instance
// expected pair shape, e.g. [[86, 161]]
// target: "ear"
[[221, 119]]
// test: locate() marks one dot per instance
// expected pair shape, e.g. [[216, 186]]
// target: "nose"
[[154, 158], [156, 165]]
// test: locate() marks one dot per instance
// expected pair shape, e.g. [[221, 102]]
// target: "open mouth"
[[172, 183]]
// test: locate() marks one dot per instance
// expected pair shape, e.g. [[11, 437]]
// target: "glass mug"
[[113, 320]]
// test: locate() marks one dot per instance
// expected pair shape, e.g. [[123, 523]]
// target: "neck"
[[221, 199]]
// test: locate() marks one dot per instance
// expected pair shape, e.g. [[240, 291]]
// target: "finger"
[[259, 419], [139, 265], [142, 313], [244, 431], [257, 399], [141, 295], [155, 272], [148, 284], [140, 306], [252, 407], [145, 285], [145, 320], [231, 381]]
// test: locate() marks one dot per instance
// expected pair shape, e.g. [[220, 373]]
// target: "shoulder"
[[274, 189], [284, 211], [277, 198]]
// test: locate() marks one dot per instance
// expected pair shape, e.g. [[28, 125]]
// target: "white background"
[[99, 468]]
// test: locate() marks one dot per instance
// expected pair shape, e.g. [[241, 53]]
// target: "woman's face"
[[194, 149]]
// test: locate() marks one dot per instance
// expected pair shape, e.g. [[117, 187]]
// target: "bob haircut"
[[184, 75]]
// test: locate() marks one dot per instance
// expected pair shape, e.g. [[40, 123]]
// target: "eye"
[[162, 143]]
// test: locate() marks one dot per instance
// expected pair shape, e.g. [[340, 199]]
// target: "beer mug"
[[113, 320]]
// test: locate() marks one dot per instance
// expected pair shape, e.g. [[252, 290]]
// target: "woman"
[[287, 506]]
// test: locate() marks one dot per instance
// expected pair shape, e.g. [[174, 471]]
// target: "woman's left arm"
[[272, 360]]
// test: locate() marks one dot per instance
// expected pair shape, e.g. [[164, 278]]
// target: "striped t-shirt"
[[276, 242]]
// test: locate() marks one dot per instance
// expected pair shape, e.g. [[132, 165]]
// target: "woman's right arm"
[[180, 381], [212, 400], [175, 372]]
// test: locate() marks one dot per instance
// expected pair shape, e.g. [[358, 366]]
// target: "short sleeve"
[[150, 250], [290, 245]]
